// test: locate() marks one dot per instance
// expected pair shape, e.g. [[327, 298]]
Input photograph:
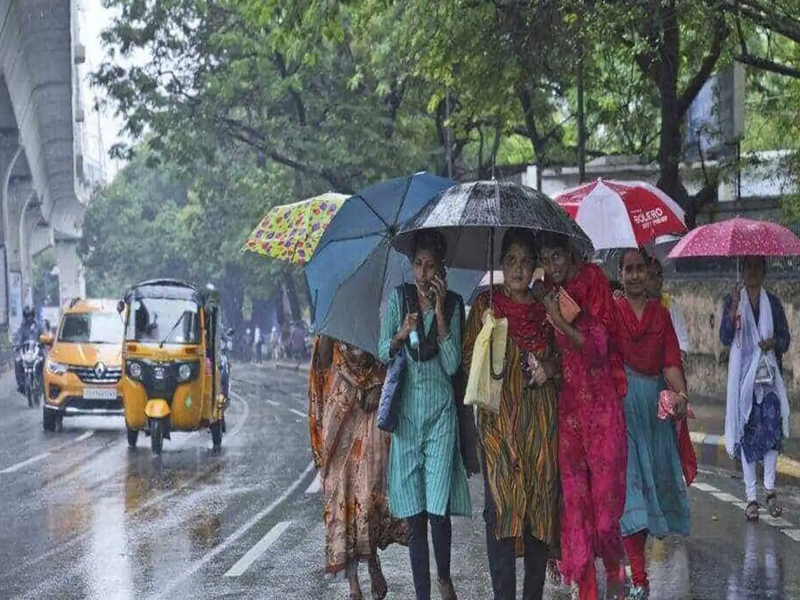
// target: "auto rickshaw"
[[171, 361]]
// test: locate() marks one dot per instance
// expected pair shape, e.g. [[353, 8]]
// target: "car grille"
[[88, 375]]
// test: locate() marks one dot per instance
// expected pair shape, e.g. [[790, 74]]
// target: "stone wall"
[[701, 302]]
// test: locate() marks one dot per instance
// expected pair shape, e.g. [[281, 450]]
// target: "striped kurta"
[[426, 473], [520, 443]]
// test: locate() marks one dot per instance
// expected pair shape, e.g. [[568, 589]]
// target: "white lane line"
[[256, 551], [273, 403], [704, 487], [780, 522], [84, 436], [793, 533], [298, 413], [24, 463], [178, 580], [315, 486], [725, 497], [40, 457]]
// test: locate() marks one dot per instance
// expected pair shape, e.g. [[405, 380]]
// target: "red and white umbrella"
[[737, 238], [623, 214]]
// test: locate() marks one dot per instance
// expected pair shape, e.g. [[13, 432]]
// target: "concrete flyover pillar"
[[71, 283], [12, 211]]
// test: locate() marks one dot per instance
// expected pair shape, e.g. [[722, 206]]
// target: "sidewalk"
[[709, 442]]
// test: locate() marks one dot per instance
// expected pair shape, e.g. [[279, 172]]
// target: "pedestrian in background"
[[755, 329]]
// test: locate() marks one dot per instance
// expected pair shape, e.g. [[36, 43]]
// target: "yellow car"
[[84, 364]]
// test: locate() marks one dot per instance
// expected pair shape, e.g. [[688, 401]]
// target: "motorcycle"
[[30, 354]]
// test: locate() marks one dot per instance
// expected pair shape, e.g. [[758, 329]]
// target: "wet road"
[[84, 517]]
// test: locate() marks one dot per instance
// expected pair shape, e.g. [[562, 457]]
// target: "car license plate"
[[100, 393]]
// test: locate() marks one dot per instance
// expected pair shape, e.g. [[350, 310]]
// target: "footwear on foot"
[[751, 512], [774, 507], [638, 593], [447, 591]]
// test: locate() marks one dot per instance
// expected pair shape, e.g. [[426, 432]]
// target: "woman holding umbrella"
[[592, 442], [755, 329], [427, 478], [519, 444]]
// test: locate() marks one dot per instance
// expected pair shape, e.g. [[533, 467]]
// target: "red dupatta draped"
[[649, 345]]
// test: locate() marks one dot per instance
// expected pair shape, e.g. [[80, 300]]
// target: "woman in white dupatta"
[[755, 329]]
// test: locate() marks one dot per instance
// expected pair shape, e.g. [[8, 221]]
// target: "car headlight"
[[56, 368], [135, 370], [184, 372]]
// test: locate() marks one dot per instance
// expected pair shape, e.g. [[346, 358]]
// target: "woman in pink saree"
[[592, 440]]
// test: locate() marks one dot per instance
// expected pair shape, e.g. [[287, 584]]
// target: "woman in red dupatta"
[[519, 443], [592, 443], [657, 502], [351, 454]]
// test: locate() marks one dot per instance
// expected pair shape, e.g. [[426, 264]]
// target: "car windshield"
[[91, 328], [166, 320]]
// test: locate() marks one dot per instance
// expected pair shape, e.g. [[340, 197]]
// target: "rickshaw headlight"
[[135, 370], [184, 372]]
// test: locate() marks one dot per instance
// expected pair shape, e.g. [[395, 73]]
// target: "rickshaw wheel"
[[133, 437], [48, 420], [156, 436], [216, 434]]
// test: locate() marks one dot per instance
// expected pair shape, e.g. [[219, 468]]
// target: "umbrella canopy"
[[355, 268], [621, 214], [474, 217], [737, 238], [290, 233]]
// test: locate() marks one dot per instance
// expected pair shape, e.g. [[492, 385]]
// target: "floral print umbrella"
[[290, 233]]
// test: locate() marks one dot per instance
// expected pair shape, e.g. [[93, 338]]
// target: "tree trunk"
[[671, 141], [291, 295]]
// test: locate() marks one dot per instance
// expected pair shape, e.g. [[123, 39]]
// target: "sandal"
[[751, 512], [775, 509]]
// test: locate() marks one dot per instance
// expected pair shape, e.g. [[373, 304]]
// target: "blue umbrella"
[[355, 267]]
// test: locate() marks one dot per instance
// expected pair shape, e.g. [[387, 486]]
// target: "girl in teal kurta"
[[427, 478]]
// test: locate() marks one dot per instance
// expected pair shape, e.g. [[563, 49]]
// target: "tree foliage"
[[251, 103]]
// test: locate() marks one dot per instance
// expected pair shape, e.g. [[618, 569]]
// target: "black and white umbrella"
[[475, 216]]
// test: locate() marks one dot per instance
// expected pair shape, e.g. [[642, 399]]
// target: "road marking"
[[177, 581], [84, 436], [704, 487], [24, 463], [256, 551], [315, 486], [779, 523], [298, 413], [273, 403], [725, 497], [40, 457], [793, 533]]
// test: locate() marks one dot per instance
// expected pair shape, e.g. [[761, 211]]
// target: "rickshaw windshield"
[[163, 320]]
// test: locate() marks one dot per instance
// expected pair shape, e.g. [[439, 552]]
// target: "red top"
[[598, 323], [649, 344], [527, 323]]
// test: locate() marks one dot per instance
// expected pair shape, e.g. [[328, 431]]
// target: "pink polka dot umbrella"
[[737, 238]]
